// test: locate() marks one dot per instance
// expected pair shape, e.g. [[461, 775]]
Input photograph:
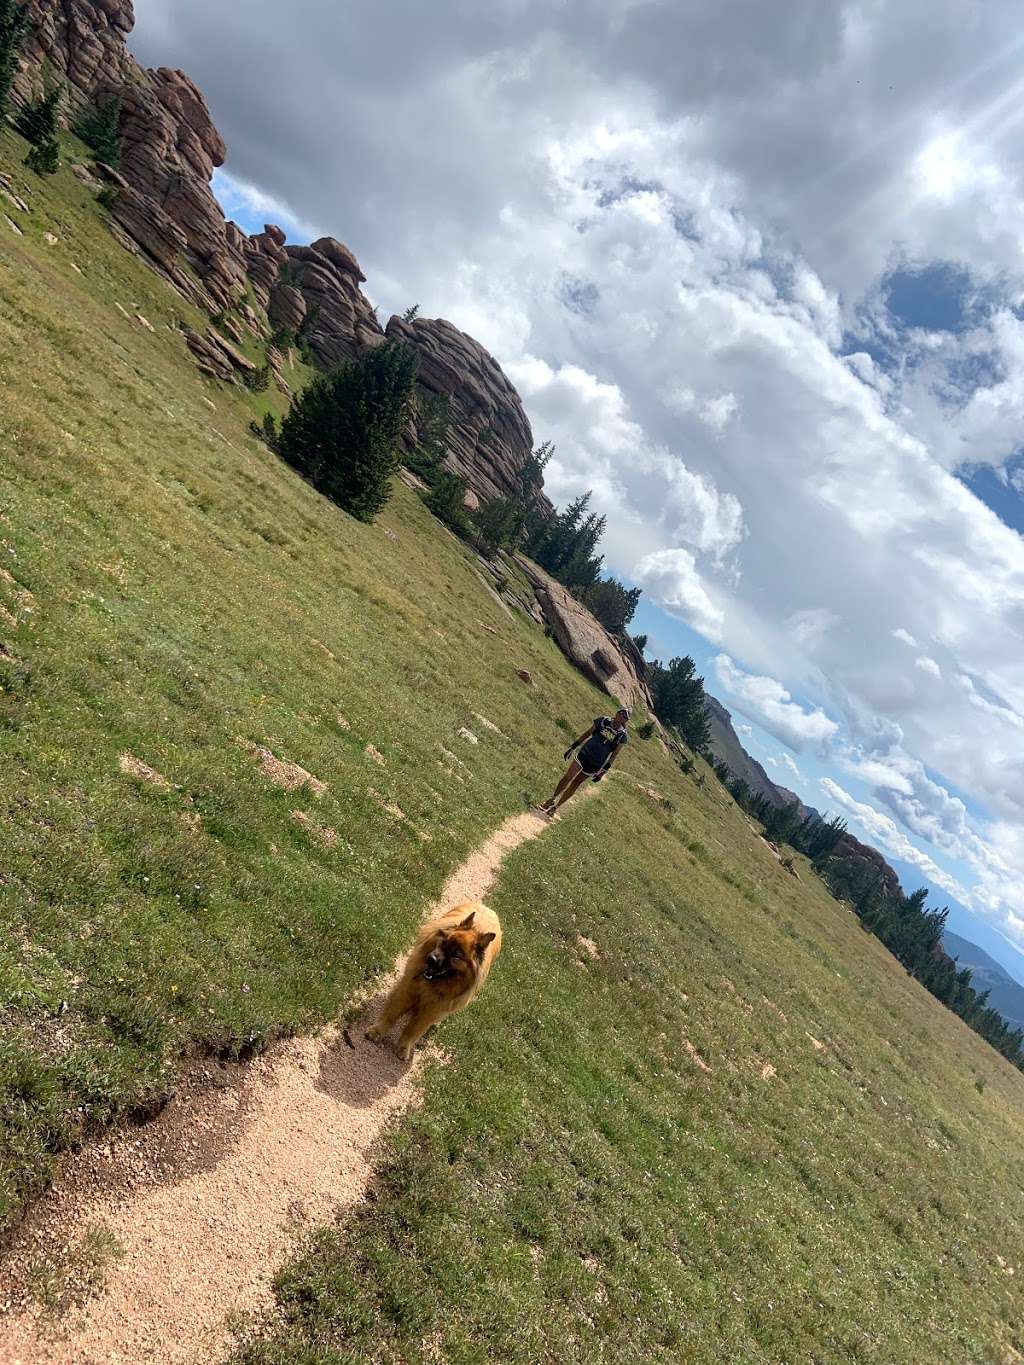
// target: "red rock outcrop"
[[171, 147], [339, 320], [489, 435], [84, 43]]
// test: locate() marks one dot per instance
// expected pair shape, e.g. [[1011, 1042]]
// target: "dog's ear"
[[467, 923], [482, 941]]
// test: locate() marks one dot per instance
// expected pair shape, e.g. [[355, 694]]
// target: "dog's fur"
[[445, 970]]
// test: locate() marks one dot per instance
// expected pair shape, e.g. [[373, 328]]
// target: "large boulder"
[[340, 322], [585, 642], [489, 436]]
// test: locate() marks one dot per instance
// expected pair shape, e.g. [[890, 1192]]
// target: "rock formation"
[[586, 643], [164, 203], [338, 319], [164, 209], [489, 435]]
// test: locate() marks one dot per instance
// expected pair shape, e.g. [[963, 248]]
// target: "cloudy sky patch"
[[756, 270]]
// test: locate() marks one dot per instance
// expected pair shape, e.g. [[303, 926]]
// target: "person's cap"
[[623, 711]]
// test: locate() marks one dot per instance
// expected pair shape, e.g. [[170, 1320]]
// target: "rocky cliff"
[[489, 435], [165, 210]]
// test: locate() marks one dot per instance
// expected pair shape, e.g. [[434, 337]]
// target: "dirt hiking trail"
[[183, 1224]]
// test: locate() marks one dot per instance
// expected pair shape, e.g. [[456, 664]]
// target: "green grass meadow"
[[739, 1132]]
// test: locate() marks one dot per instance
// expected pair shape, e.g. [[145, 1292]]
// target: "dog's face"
[[454, 955]]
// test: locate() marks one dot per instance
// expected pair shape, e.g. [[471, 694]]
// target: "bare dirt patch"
[[397, 813], [289, 776], [589, 946], [775, 1009], [695, 1056], [323, 834], [453, 758], [21, 603], [372, 752], [488, 724], [134, 767]]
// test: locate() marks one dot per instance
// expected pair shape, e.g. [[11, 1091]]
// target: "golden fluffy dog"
[[445, 970]]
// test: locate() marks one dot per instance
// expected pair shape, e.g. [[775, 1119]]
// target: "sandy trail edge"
[[289, 1150]]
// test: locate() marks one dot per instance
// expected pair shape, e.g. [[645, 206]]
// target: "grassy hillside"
[[697, 1115], [172, 592]]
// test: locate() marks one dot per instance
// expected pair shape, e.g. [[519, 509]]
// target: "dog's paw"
[[374, 1033], [404, 1051]]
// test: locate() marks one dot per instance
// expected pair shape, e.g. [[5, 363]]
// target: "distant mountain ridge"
[[1006, 994], [727, 749]]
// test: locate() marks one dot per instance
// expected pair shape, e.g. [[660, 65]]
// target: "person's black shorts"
[[592, 757]]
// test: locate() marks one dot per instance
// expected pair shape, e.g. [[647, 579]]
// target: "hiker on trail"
[[601, 745]]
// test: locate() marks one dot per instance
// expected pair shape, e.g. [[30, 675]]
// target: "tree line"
[[913, 934]]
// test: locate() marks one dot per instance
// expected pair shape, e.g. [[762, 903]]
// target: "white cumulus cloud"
[[768, 703]]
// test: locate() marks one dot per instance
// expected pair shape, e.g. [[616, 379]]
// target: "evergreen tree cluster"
[[342, 433], [808, 834], [37, 123], [913, 934], [566, 544], [679, 701], [612, 603]]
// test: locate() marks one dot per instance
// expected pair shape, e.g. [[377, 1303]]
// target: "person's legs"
[[574, 770], [571, 790]]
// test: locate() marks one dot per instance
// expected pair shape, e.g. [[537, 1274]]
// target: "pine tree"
[[612, 603], [499, 524], [13, 23], [679, 700], [37, 122], [343, 431], [99, 129], [44, 159], [447, 501], [531, 471], [433, 413]]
